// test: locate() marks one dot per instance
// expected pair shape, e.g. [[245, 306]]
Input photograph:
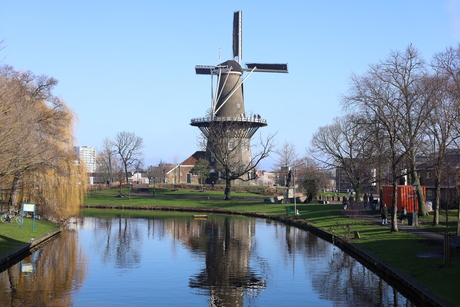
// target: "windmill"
[[227, 100]]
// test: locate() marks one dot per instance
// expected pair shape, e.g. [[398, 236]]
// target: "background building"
[[88, 156]]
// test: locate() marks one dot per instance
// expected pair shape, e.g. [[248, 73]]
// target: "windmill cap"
[[233, 64]]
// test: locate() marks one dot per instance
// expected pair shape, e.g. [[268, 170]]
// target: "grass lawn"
[[399, 248], [11, 235]]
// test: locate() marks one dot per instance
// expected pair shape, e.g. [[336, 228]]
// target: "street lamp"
[[295, 198]]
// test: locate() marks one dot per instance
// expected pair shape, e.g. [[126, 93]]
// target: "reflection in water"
[[177, 261], [46, 278], [227, 275], [335, 275]]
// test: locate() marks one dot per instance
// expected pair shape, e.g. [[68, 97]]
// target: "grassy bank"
[[12, 236], [398, 248]]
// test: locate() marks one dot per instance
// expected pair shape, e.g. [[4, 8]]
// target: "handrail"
[[228, 119]]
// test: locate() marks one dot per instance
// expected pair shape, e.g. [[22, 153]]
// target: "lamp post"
[[295, 201]]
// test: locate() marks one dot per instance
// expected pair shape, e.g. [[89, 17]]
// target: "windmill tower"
[[227, 102]]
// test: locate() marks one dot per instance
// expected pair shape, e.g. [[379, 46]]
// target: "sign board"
[[28, 207]]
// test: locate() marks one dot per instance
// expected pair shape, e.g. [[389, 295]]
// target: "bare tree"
[[287, 158], [128, 147], [106, 161], [228, 146], [392, 94], [443, 125], [342, 145]]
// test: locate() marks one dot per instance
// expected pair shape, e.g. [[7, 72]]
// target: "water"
[[175, 260]]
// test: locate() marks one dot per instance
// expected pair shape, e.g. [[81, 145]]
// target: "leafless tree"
[[286, 159], [106, 161], [228, 145], [158, 172], [342, 145], [443, 126], [393, 95], [128, 148]]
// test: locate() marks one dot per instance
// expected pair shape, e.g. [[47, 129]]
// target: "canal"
[[173, 259]]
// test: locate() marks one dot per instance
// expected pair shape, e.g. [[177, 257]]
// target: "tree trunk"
[[422, 211], [14, 192], [437, 203], [228, 186], [394, 208], [458, 214]]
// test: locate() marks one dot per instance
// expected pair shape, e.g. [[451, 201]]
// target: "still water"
[[175, 260]]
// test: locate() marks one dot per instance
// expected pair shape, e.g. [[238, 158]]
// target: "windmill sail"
[[265, 67], [237, 35]]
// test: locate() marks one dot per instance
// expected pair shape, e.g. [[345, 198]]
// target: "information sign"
[[28, 207]]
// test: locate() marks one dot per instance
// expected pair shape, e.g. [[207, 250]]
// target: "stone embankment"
[[17, 254]]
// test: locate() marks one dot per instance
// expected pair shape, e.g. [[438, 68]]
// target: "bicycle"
[[8, 217]]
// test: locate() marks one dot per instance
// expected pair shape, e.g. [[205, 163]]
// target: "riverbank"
[[18, 242]]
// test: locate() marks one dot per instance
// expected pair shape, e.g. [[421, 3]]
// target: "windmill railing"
[[254, 119]]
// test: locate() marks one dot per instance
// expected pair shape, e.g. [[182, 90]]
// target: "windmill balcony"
[[204, 120]]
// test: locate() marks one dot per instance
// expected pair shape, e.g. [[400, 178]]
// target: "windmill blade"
[[265, 67], [238, 35], [203, 70]]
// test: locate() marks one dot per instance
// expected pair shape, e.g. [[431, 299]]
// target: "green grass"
[[398, 248], [448, 224], [11, 235]]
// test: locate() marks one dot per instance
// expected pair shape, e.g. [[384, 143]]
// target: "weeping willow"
[[58, 192], [40, 164]]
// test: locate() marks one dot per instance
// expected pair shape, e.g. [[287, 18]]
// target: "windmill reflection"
[[227, 276]]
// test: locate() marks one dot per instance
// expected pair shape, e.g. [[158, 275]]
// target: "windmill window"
[[231, 145], [238, 105]]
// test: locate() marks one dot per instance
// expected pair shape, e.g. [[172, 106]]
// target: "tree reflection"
[[117, 240], [57, 270], [337, 276], [227, 276]]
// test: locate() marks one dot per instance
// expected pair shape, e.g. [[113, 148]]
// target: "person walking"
[[384, 213]]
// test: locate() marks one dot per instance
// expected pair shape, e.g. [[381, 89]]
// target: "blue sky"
[[129, 65]]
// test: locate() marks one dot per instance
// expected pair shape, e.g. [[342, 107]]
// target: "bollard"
[[288, 211]]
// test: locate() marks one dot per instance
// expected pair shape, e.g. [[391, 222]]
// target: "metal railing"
[[228, 119]]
